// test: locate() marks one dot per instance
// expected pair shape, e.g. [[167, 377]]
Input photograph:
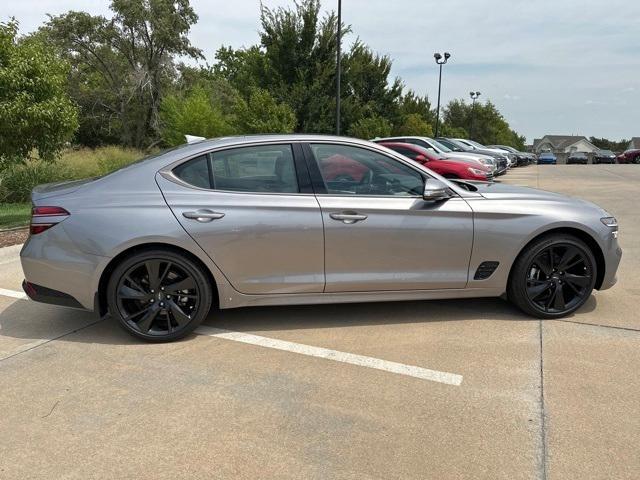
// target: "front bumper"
[[612, 256]]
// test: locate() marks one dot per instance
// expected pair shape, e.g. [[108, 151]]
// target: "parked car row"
[[458, 158], [601, 156]]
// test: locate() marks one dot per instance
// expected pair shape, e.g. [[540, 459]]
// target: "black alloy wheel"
[[159, 295], [553, 277], [559, 277]]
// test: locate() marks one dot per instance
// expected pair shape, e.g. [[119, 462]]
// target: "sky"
[[558, 67]]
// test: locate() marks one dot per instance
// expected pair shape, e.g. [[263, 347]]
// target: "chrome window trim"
[[167, 170]]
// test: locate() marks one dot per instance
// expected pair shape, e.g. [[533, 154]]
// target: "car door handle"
[[348, 217], [203, 215]]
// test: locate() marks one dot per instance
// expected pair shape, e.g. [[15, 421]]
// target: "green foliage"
[[414, 124], [122, 67], [35, 111], [192, 113], [14, 214], [483, 122], [17, 181], [606, 144], [370, 127], [262, 114]]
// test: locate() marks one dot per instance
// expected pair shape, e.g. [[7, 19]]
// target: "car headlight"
[[477, 171], [610, 221]]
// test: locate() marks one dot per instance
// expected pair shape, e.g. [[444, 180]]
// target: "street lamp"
[[338, 70], [440, 60], [474, 96]]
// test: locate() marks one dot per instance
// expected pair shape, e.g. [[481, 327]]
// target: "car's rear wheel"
[[553, 276], [159, 295]]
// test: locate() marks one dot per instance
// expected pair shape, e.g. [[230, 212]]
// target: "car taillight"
[[43, 218]]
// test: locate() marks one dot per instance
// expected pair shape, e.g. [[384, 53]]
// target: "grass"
[[17, 181], [14, 215]]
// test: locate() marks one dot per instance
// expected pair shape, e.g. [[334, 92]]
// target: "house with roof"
[[563, 144], [634, 144]]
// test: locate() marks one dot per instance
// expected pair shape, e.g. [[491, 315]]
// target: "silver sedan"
[[300, 219]]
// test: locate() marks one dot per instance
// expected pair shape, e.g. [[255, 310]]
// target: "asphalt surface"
[[79, 398]]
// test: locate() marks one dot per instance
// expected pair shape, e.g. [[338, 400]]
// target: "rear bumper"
[[38, 293], [59, 271]]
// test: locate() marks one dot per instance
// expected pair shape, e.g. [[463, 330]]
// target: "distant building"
[[563, 144], [634, 144]]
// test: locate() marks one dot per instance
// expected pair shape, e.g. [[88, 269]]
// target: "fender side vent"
[[485, 270]]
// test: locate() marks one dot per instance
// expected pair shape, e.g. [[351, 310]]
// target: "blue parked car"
[[547, 158]]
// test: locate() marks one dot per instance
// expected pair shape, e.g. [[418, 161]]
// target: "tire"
[[144, 295], [544, 281]]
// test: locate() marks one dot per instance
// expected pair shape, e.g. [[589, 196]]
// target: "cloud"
[[514, 98]]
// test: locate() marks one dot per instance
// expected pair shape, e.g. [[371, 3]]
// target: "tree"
[[484, 123], [606, 144], [370, 127], [121, 67], [35, 111], [414, 124], [191, 114], [262, 114], [295, 63]]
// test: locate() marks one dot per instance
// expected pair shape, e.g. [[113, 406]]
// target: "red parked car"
[[630, 156], [448, 168]]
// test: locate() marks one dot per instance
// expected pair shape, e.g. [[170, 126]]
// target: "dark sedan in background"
[[577, 158], [604, 156]]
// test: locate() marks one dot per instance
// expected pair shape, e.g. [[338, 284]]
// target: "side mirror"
[[435, 190], [421, 158]]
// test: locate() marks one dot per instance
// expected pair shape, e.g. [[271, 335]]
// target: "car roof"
[[200, 147]]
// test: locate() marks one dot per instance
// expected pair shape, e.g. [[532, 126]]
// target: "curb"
[[13, 229]]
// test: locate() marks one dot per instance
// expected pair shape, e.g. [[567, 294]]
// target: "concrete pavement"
[[79, 398]]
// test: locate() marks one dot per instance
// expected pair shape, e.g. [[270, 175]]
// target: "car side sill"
[[230, 298]]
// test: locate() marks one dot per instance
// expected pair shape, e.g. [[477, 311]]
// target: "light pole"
[[474, 96], [440, 60], [338, 69]]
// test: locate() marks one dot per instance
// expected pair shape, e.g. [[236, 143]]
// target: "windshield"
[[451, 145], [428, 153], [606, 152], [476, 144], [439, 146]]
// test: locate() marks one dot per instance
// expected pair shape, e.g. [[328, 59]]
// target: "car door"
[[252, 210], [379, 232]]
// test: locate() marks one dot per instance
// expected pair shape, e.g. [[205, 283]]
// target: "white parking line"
[[12, 293], [336, 356], [318, 352]]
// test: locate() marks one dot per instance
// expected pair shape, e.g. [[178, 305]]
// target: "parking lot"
[[442, 389]]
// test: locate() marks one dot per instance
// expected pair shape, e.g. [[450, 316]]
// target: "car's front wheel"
[[159, 295], [553, 276]]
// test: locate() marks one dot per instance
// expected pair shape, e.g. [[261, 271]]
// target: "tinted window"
[[195, 172], [358, 171], [265, 168], [407, 152]]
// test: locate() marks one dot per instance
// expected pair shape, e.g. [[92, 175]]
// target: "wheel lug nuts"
[[152, 300]]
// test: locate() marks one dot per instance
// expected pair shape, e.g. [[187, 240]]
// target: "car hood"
[[501, 191]]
